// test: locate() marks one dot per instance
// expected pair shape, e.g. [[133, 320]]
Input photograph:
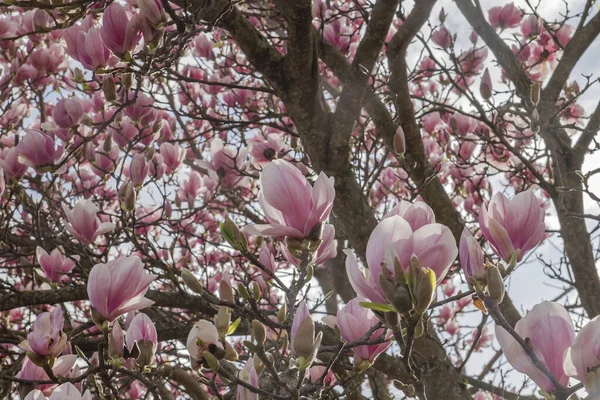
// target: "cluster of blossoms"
[[120, 178]]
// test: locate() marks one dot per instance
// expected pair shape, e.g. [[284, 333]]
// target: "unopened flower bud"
[[399, 141], [485, 87], [259, 332], [127, 80], [230, 353], [211, 360], [535, 93], [232, 234], [108, 144], [255, 291], [282, 313], [108, 88], [495, 284], [116, 341], [304, 340], [226, 291], [423, 285], [127, 196], [243, 292], [222, 321], [401, 298], [191, 281], [442, 15]]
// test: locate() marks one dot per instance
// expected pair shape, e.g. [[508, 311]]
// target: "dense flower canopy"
[[299, 199]]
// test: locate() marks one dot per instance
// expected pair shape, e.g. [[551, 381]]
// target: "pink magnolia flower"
[[172, 155], [152, 10], [141, 328], [292, 207], [225, 164], [354, 321], [119, 286], [138, 168], [37, 150], [531, 27], [47, 338], [202, 337], [471, 61], [511, 225], [503, 17], [66, 391], [249, 375], [192, 188], [203, 47], [91, 51], [442, 37], [549, 330], [67, 112], [119, 32], [10, 164], [316, 372], [471, 257], [263, 151], [84, 223], [417, 214], [584, 354], [62, 367], [55, 264], [433, 244]]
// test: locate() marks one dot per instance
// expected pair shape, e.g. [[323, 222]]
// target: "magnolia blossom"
[[442, 37], [172, 156], [584, 354], [142, 334], [119, 286], [417, 214], [119, 32], [138, 169], [91, 51], [471, 257], [511, 225], [225, 164], [315, 373], [302, 336], [354, 321], [503, 17], [47, 338], [67, 112], [293, 208], [264, 150], [66, 391], [11, 165], [62, 367], [202, 337], [549, 330], [247, 374], [84, 223], [433, 244], [141, 328], [38, 150], [55, 265]]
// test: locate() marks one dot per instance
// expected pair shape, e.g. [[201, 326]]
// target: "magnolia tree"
[[291, 199]]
